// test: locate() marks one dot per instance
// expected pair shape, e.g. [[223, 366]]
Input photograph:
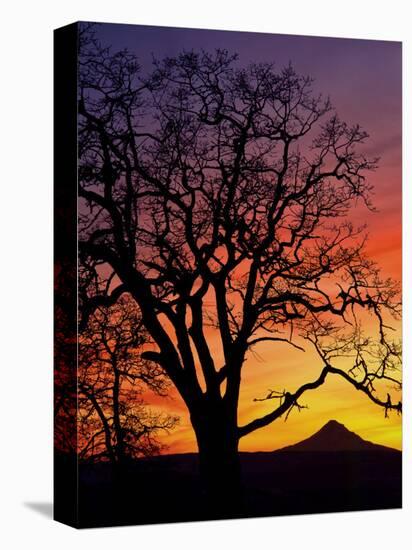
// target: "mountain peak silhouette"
[[335, 437]]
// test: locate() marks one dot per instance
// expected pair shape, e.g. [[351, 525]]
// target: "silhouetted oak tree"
[[218, 196]]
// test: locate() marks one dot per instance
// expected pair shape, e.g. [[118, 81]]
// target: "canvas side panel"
[[65, 276]]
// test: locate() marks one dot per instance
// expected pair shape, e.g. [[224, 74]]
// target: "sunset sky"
[[363, 80]]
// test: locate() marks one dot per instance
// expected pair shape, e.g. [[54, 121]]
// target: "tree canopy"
[[217, 195]]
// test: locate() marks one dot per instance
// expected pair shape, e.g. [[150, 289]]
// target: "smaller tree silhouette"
[[114, 422], [65, 349]]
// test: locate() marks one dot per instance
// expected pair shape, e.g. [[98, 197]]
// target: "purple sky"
[[363, 79]]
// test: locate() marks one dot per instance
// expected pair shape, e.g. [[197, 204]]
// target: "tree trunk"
[[219, 465]]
